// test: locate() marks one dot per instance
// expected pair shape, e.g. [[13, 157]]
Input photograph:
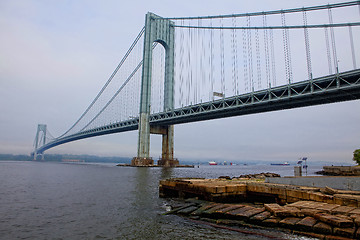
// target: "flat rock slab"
[[292, 211], [320, 206], [327, 207], [203, 208], [271, 222], [274, 208], [345, 232], [289, 222], [356, 219], [230, 208], [324, 228], [347, 199], [177, 209], [187, 210], [301, 204], [260, 217], [280, 211], [239, 213], [335, 220], [357, 234], [306, 223], [249, 212], [355, 211], [342, 210], [252, 212], [215, 208], [310, 212]]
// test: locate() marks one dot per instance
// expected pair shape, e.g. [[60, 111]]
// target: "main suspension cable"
[[117, 92], [332, 25], [108, 81], [293, 10]]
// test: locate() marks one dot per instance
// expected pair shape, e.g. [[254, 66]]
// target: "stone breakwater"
[[340, 171], [322, 213]]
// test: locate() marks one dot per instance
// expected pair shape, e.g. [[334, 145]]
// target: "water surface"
[[44, 200]]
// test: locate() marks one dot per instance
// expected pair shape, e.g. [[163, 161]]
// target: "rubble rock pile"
[[252, 176], [260, 175]]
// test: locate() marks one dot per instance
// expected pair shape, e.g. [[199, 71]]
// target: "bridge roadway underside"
[[330, 89]]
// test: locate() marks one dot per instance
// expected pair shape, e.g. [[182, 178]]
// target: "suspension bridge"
[[188, 69]]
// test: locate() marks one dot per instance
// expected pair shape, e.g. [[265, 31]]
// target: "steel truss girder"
[[123, 126], [333, 88]]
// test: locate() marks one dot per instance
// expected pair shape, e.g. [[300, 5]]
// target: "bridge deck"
[[329, 89]]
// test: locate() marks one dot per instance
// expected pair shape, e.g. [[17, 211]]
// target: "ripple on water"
[[68, 201]]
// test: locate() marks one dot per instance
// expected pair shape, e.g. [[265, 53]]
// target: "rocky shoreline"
[[318, 220], [323, 213], [339, 171]]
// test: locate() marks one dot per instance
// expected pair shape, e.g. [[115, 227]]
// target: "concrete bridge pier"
[[36, 156], [167, 156]]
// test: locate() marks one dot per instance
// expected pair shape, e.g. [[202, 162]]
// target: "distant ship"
[[212, 163], [281, 164]]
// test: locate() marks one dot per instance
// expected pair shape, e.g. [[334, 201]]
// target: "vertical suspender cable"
[[195, 64], [175, 69], [307, 46], [288, 68], [233, 56], [134, 92], [286, 58], [211, 63], [249, 40], [181, 97], [245, 62], [191, 63], [328, 50], [162, 80], [273, 63], [202, 62], [235, 59], [153, 82], [352, 47], [222, 58], [258, 57], [189, 67], [200, 78], [126, 99], [267, 59], [333, 41]]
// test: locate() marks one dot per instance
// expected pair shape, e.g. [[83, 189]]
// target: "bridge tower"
[[159, 30], [39, 139]]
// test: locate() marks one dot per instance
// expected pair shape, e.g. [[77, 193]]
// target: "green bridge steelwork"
[[337, 87], [330, 89]]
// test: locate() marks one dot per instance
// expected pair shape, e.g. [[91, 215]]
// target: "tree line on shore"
[[356, 157], [62, 157]]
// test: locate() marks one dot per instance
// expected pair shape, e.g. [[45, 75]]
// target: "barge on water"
[[281, 164]]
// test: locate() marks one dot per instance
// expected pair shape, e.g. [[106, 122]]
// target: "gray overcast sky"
[[56, 55]]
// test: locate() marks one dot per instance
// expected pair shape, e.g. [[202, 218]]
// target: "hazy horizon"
[[57, 55]]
